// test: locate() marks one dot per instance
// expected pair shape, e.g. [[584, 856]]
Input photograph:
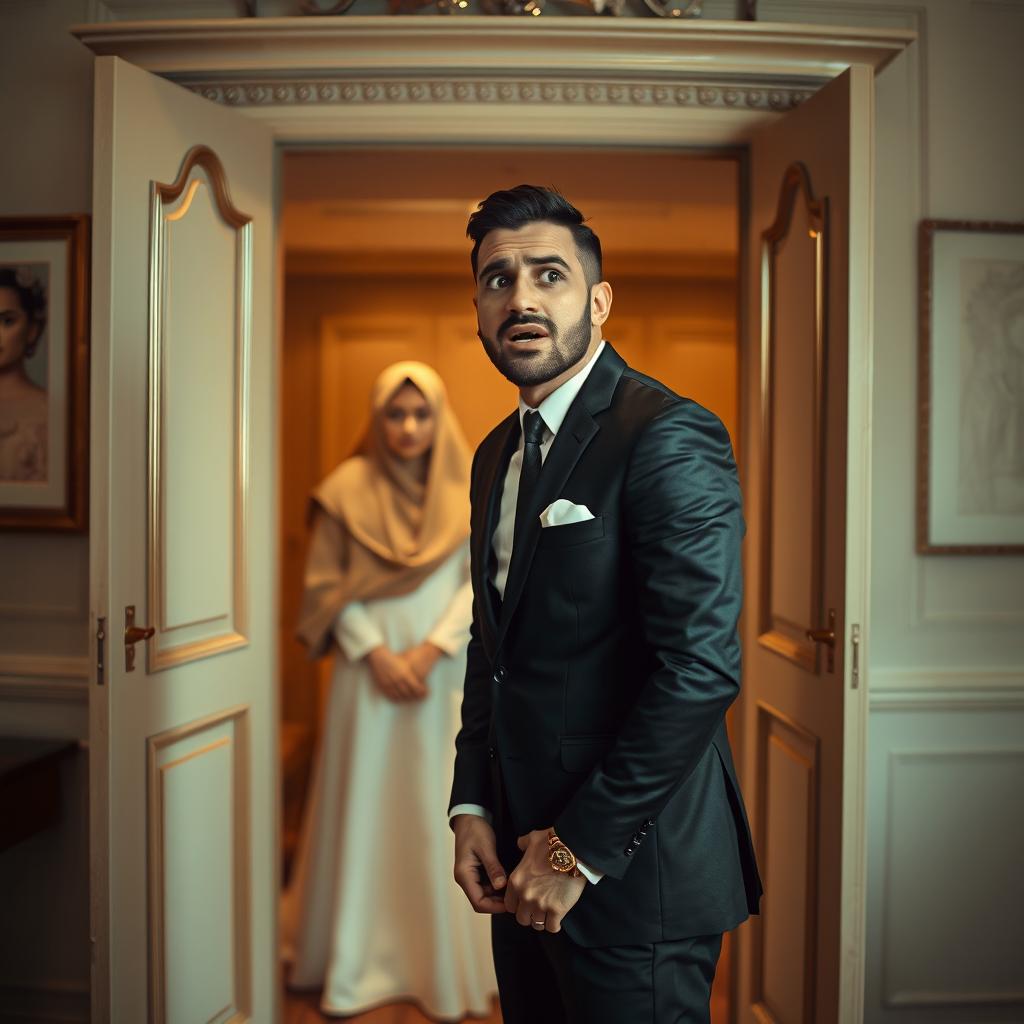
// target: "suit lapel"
[[492, 483], [577, 431]]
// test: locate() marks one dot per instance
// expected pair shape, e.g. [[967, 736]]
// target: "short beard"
[[530, 369]]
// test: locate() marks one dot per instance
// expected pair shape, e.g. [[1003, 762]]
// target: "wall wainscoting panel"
[[946, 863], [946, 839]]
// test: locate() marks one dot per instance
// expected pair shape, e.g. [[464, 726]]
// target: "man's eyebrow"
[[498, 264], [543, 261], [531, 261]]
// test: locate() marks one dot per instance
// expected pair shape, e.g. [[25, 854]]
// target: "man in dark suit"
[[595, 805]]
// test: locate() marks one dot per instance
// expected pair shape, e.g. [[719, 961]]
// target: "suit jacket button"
[[628, 851], [490, 753], [637, 838], [649, 822]]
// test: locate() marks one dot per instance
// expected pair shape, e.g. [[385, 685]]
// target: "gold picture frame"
[[44, 373], [970, 388]]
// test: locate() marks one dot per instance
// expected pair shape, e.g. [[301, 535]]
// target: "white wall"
[[946, 647], [945, 643], [46, 108], [946, 640]]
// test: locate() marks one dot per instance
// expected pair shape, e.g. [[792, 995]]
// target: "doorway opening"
[[376, 270]]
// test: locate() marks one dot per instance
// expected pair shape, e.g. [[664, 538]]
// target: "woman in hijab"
[[373, 914]]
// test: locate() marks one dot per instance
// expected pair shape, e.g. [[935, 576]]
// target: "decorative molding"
[[789, 639], [601, 48], [932, 997], [228, 630], [984, 689], [229, 729], [708, 92], [776, 730], [46, 678], [938, 680]]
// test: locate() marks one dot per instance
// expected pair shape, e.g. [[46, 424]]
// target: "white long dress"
[[373, 914]]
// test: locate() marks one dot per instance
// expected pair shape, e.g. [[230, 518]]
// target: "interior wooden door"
[[183, 733], [806, 445]]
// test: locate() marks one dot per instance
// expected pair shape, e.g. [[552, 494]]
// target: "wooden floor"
[[304, 1008]]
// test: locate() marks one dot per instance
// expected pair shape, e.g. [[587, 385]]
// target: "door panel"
[[183, 741], [806, 381]]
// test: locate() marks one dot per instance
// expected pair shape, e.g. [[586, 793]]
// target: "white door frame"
[[566, 81]]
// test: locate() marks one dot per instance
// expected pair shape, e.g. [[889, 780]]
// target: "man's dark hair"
[[514, 208]]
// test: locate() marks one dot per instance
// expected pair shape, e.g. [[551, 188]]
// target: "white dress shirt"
[[552, 411]]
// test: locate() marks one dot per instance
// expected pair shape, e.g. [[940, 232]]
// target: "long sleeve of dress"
[[357, 634], [321, 596], [451, 631]]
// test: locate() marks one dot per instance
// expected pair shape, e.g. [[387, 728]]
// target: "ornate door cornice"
[[445, 79]]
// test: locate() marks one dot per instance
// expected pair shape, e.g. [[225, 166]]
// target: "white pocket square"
[[562, 512]]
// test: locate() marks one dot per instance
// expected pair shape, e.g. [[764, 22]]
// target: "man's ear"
[[600, 303]]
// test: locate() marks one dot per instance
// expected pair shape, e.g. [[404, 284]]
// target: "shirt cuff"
[[592, 876], [477, 809], [356, 632], [446, 643]]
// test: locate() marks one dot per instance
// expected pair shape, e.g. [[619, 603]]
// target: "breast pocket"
[[572, 534]]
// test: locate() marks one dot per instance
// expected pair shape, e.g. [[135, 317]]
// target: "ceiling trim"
[[552, 47]]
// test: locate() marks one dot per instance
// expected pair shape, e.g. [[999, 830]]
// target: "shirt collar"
[[554, 408]]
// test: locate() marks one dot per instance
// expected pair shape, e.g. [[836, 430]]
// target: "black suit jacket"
[[596, 693]]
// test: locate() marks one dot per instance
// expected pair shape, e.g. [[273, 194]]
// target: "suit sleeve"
[[683, 525], [472, 781]]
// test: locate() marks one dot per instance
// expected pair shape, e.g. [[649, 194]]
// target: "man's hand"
[[539, 896], [422, 658], [477, 868], [394, 676]]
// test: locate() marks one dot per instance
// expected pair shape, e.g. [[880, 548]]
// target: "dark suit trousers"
[[546, 978]]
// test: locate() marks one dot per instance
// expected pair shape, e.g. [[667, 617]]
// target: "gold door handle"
[[822, 636], [132, 635], [826, 636]]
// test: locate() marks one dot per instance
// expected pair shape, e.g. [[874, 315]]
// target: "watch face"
[[562, 859]]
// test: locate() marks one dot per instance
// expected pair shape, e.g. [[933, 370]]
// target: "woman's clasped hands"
[[403, 677]]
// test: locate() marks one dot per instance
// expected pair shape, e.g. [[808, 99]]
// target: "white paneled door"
[[183, 736], [806, 443]]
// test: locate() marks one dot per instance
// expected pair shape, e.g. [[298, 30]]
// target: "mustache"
[[523, 319]]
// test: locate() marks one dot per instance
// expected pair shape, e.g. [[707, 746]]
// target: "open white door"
[[183, 746], [807, 402]]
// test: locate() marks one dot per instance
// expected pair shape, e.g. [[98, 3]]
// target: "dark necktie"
[[533, 433]]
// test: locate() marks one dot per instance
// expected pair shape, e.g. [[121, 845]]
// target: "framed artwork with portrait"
[[970, 479], [44, 372]]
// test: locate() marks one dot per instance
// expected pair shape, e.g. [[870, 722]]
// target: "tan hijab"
[[379, 530]]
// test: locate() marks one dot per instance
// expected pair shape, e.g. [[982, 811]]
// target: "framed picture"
[[44, 372], [970, 472]]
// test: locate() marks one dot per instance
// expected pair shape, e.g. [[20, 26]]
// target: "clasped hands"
[[534, 892], [403, 677]]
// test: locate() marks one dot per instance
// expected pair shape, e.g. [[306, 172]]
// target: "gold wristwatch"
[[561, 858]]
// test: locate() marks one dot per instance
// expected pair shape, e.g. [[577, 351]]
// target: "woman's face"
[[408, 423], [17, 331]]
